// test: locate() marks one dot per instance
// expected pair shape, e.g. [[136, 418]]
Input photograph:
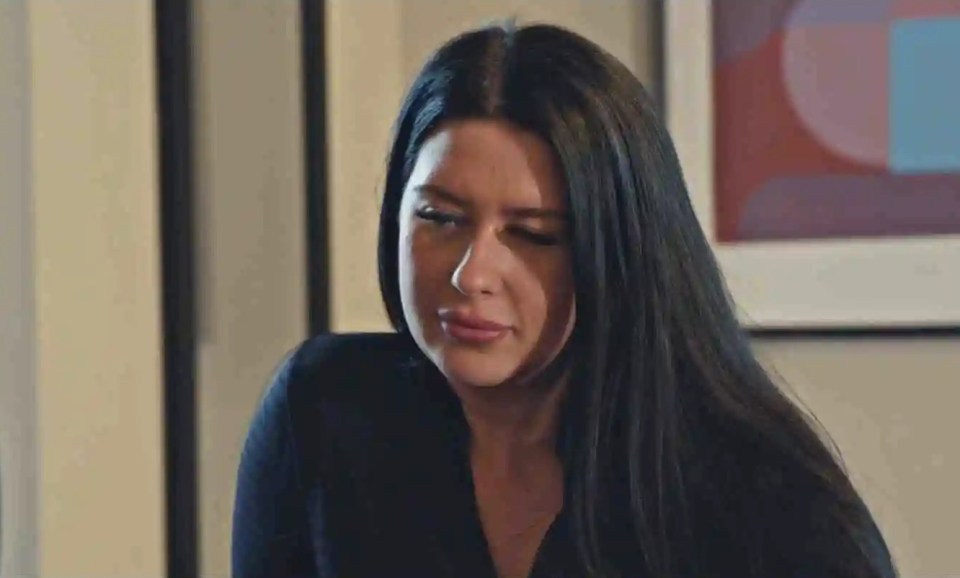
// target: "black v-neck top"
[[356, 466]]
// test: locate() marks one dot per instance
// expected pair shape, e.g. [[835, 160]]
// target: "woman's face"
[[484, 262]]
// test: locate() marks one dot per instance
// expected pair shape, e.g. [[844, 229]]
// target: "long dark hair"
[[685, 458]]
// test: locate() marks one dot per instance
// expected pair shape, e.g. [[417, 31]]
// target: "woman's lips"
[[471, 328]]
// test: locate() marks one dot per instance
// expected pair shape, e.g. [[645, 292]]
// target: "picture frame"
[[898, 284]]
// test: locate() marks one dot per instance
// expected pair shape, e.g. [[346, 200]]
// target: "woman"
[[568, 392]]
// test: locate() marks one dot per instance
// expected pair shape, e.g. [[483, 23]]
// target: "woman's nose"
[[479, 270]]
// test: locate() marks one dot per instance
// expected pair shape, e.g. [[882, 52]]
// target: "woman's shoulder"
[[350, 380], [345, 365], [792, 518], [350, 351], [348, 399]]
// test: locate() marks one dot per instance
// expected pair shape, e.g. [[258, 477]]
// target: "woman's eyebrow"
[[537, 213], [443, 194]]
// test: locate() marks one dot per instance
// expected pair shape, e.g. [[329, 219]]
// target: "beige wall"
[[80, 241], [18, 450], [890, 405], [83, 184], [96, 241], [250, 235], [364, 88]]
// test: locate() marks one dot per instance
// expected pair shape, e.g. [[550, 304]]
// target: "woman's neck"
[[512, 428]]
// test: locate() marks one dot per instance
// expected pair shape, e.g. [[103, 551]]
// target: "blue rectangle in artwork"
[[925, 96]]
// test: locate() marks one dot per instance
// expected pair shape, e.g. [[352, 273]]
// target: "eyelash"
[[438, 217], [442, 219], [537, 238]]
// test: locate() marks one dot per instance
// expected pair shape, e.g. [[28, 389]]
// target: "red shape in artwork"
[[760, 137], [903, 9]]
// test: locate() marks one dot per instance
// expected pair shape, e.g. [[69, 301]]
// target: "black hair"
[[685, 457]]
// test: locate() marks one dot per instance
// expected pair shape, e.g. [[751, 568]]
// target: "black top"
[[356, 465]]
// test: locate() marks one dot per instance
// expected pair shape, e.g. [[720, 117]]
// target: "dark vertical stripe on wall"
[[173, 33], [658, 42], [315, 155]]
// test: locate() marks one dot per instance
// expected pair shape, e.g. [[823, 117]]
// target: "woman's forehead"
[[489, 160]]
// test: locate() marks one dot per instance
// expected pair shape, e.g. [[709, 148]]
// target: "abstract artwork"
[[820, 141], [836, 118]]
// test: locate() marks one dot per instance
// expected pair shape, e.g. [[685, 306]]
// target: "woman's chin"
[[475, 379], [475, 371]]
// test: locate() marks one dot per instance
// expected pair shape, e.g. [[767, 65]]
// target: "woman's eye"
[[438, 217], [537, 238]]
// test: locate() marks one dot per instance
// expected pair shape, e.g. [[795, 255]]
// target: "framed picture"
[[820, 140]]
